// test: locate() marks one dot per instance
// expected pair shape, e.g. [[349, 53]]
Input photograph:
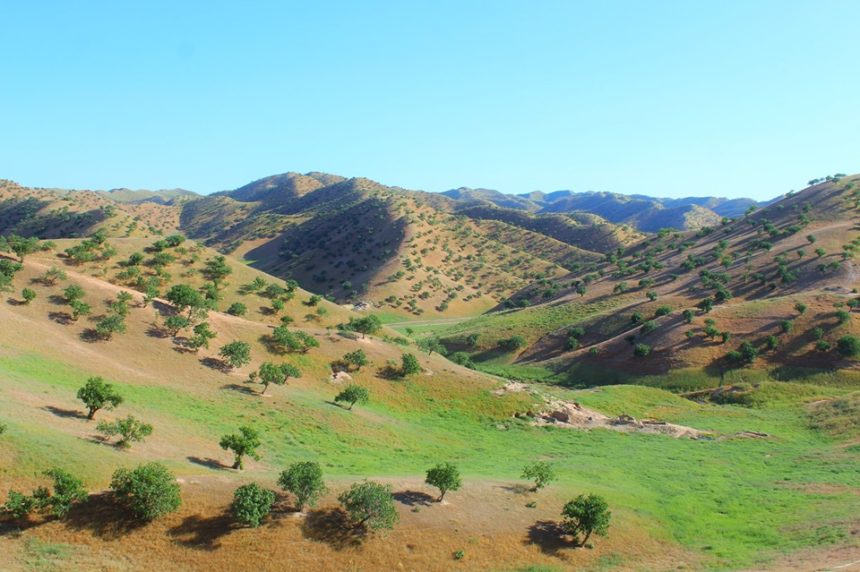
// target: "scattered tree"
[[236, 354], [540, 472], [276, 373], [848, 346], [409, 365], [97, 394], [148, 491], [305, 481], [445, 477], [370, 504], [243, 443], [251, 504], [586, 515], [130, 430], [352, 394]]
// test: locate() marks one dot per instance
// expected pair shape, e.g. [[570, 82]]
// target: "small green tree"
[[586, 515], [175, 323], [148, 491], [202, 335], [28, 294], [352, 394], [276, 373], [22, 246], [110, 325], [68, 490], [409, 365], [370, 504], [73, 292], [236, 354], [237, 309], [305, 481], [800, 307], [445, 477], [97, 394], [243, 443], [355, 359], [79, 308], [540, 472], [251, 504], [364, 326], [687, 315], [130, 430]]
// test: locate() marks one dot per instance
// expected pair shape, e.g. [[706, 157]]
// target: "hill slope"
[[773, 278]]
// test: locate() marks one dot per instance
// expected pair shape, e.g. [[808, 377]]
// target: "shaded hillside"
[[782, 279], [405, 251]]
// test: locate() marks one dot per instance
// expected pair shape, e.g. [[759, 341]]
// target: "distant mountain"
[[643, 212], [161, 197]]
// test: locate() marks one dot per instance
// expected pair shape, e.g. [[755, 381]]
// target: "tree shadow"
[[202, 533], [57, 300], [156, 331], [216, 364], [103, 517], [240, 388], [333, 527], [549, 536], [91, 336], [517, 489], [413, 498], [207, 462], [12, 302], [61, 318], [66, 413]]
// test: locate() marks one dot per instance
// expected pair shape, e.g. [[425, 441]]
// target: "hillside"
[[772, 279], [57, 213], [405, 252], [804, 495]]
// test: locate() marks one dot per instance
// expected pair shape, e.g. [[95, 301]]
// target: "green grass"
[[735, 501]]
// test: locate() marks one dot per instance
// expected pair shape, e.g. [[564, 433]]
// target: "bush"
[[370, 504], [28, 295], [409, 365], [237, 309], [823, 345], [663, 311], [251, 504], [848, 346], [641, 350], [513, 343], [148, 491]]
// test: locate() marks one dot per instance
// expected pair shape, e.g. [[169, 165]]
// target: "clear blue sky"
[[736, 98]]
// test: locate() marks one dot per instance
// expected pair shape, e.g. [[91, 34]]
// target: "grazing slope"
[[803, 496]]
